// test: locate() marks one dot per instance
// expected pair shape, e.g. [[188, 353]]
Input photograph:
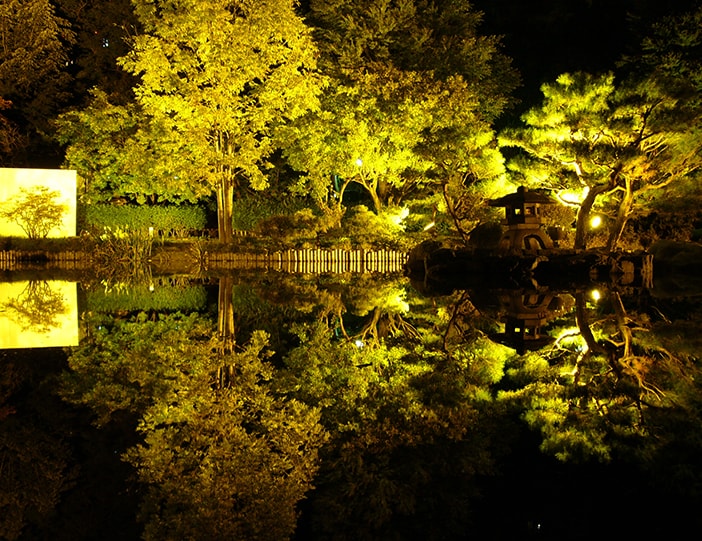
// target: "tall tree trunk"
[[340, 202], [451, 210], [623, 212], [377, 204], [225, 199], [583, 219], [226, 329], [584, 324], [372, 188]]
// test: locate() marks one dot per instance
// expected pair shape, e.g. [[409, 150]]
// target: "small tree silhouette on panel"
[[38, 307], [35, 210]]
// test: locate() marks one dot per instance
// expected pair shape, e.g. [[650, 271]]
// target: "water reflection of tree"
[[354, 307], [219, 459], [599, 391], [394, 433], [381, 313], [406, 439], [38, 307]]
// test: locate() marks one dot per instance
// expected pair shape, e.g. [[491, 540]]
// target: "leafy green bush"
[[249, 212], [166, 220], [366, 228], [301, 225]]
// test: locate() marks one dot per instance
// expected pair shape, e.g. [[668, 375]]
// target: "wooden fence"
[[312, 261], [17, 260]]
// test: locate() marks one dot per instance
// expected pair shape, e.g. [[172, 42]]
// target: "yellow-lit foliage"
[[619, 140], [215, 77]]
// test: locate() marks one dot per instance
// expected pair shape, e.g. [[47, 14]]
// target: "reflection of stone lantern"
[[523, 220], [526, 314]]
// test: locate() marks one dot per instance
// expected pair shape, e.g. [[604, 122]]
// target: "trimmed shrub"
[[368, 229], [177, 221], [300, 226]]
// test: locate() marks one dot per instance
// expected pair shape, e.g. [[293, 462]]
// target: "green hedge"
[[166, 220]]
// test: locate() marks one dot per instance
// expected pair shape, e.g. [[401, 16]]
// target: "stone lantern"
[[523, 219]]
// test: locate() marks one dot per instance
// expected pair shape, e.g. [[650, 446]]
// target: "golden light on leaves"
[[569, 198]]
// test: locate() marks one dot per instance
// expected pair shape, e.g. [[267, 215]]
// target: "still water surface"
[[272, 405]]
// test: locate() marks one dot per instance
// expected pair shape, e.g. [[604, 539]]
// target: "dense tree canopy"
[[218, 101], [33, 77], [413, 88], [215, 77], [223, 455], [113, 147]]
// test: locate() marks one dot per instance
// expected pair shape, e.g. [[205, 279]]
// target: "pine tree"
[[615, 142]]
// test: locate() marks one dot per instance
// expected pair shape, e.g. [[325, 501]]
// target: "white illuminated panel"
[[60, 180]]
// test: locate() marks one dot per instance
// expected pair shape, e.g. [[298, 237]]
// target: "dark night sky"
[[549, 37]]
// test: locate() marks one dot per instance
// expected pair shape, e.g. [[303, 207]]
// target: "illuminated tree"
[[229, 462], [602, 390], [412, 90], [224, 455], [112, 146], [35, 211], [215, 78], [372, 411], [606, 141]]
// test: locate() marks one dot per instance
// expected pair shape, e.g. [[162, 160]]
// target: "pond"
[[271, 404]]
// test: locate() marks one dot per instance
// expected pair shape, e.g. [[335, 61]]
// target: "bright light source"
[[429, 226], [359, 162], [568, 198], [595, 222], [398, 218], [358, 343], [596, 295]]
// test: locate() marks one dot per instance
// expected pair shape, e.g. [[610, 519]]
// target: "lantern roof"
[[521, 196]]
